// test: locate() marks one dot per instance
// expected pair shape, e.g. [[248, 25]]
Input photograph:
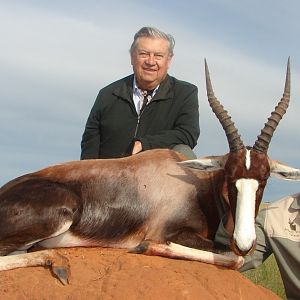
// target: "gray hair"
[[156, 33]]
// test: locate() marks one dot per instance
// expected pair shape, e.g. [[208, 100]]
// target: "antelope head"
[[246, 169]]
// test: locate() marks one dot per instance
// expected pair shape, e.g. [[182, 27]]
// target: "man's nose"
[[150, 59]]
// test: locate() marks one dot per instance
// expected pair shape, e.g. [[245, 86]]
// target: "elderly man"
[[148, 109]]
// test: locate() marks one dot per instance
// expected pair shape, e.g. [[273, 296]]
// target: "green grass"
[[267, 275]]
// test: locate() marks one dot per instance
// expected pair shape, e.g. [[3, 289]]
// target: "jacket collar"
[[296, 202], [125, 90]]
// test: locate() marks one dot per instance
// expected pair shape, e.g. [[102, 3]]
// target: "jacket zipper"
[[139, 118], [137, 125]]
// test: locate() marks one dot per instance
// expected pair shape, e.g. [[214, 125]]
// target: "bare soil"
[[98, 273]]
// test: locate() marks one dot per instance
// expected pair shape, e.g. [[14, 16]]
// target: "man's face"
[[150, 61]]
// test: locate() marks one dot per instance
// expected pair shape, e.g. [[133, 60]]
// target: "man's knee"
[[185, 150]]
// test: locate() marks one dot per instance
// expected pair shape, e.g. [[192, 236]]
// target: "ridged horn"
[[264, 139], [234, 141]]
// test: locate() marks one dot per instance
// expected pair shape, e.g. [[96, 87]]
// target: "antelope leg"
[[59, 264], [177, 251]]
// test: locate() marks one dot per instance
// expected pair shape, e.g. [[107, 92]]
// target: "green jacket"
[[171, 118], [278, 231]]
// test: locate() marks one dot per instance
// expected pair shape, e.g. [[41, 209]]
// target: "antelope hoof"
[[141, 248], [62, 274], [239, 263], [60, 268], [237, 260]]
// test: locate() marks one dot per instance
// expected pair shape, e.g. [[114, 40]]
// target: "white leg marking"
[[244, 232], [38, 258], [58, 263], [176, 251]]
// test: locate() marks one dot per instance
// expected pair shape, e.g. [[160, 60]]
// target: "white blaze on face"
[[244, 231], [248, 159]]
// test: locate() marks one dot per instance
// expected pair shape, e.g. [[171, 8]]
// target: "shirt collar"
[[138, 91]]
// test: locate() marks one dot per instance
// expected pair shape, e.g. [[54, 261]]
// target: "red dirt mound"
[[98, 273]]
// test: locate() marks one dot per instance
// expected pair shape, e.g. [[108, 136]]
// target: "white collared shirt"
[[138, 96]]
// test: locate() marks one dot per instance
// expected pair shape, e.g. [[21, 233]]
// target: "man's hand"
[[137, 147]]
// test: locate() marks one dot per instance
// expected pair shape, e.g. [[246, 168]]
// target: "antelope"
[[155, 202]]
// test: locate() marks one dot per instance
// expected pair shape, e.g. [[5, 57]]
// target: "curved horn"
[[264, 139], [234, 141]]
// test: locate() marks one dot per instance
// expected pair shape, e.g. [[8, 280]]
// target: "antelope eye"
[[231, 178], [263, 181]]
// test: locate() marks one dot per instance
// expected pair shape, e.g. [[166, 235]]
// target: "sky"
[[55, 56]]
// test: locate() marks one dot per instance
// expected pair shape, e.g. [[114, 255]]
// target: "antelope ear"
[[282, 171], [209, 163]]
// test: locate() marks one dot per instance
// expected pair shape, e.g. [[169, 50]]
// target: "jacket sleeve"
[[186, 127], [262, 251], [90, 143]]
